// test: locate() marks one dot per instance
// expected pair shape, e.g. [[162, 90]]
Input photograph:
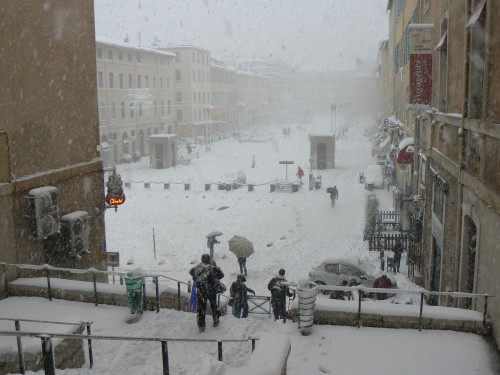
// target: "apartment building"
[[51, 175], [223, 100], [452, 186], [136, 98], [191, 108]]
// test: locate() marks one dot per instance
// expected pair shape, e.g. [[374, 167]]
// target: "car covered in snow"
[[332, 271]]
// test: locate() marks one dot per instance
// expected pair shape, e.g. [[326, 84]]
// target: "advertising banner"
[[421, 66]]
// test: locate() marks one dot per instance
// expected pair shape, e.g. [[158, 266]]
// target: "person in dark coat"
[[206, 275], [382, 282], [239, 293], [334, 195], [398, 250], [340, 294], [242, 261], [279, 291], [211, 241]]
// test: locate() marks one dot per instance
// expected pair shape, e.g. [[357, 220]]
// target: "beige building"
[[224, 114], [455, 174], [191, 106], [51, 177], [136, 98]]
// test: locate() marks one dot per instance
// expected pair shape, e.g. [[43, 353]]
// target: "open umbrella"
[[215, 233], [240, 246]]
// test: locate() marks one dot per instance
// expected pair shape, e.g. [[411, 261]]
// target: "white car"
[[333, 271]]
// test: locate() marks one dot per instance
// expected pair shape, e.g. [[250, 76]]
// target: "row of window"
[[204, 60], [131, 57], [161, 82], [132, 108]]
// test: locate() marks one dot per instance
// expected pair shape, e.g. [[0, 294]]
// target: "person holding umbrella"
[[242, 248], [212, 240], [242, 261]]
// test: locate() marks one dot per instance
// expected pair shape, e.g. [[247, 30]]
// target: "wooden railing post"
[[48, 284], [421, 309], [157, 294], [164, 356], [94, 277], [219, 349], [20, 353], [48, 355]]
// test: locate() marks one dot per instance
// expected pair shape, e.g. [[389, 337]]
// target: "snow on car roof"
[[353, 261]]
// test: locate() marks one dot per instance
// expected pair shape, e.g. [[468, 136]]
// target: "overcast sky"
[[308, 34]]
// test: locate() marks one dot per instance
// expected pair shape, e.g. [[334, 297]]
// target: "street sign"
[[287, 162], [113, 259]]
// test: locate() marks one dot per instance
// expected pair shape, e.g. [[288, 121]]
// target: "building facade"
[[136, 98], [452, 186], [51, 175]]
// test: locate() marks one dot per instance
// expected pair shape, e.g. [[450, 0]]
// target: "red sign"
[[115, 200], [420, 79], [421, 65]]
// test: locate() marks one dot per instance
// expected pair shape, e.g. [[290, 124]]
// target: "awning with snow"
[[479, 11], [385, 143], [405, 151], [442, 44]]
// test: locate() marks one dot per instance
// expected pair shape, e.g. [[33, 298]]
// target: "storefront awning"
[[405, 151], [477, 14], [385, 143], [443, 43]]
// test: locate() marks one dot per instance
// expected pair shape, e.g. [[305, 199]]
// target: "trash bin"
[[134, 282], [295, 188]]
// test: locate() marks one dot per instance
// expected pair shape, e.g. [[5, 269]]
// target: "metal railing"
[[48, 353], [20, 353], [48, 269], [362, 292]]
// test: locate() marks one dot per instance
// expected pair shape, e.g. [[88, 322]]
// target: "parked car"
[[126, 158], [332, 271]]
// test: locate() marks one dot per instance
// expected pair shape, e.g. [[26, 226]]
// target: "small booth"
[[322, 151], [162, 150]]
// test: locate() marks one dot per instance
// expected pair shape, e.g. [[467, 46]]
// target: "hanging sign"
[[421, 64]]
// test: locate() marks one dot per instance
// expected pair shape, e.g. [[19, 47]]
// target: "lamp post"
[[333, 107], [208, 128]]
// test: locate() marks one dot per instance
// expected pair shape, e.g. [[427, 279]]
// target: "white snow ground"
[[289, 230]]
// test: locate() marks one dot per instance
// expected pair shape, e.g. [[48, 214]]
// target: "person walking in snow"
[[239, 293], [211, 241], [300, 174], [334, 195], [205, 275], [398, 250], [279, 291], [242, 261]]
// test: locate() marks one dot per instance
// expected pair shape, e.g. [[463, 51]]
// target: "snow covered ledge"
[[270, 357]]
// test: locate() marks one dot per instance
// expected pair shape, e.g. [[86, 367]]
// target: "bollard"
[[228, 187], [147, 185], [166, 186], [307, 292], [127, 184], [187, 186], [250, 187], [207, 187], [295, 188], [272, 187], [221, 186]]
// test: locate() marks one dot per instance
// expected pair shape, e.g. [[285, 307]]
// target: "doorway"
[[435, 272], [321, 155], [159, 156]]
